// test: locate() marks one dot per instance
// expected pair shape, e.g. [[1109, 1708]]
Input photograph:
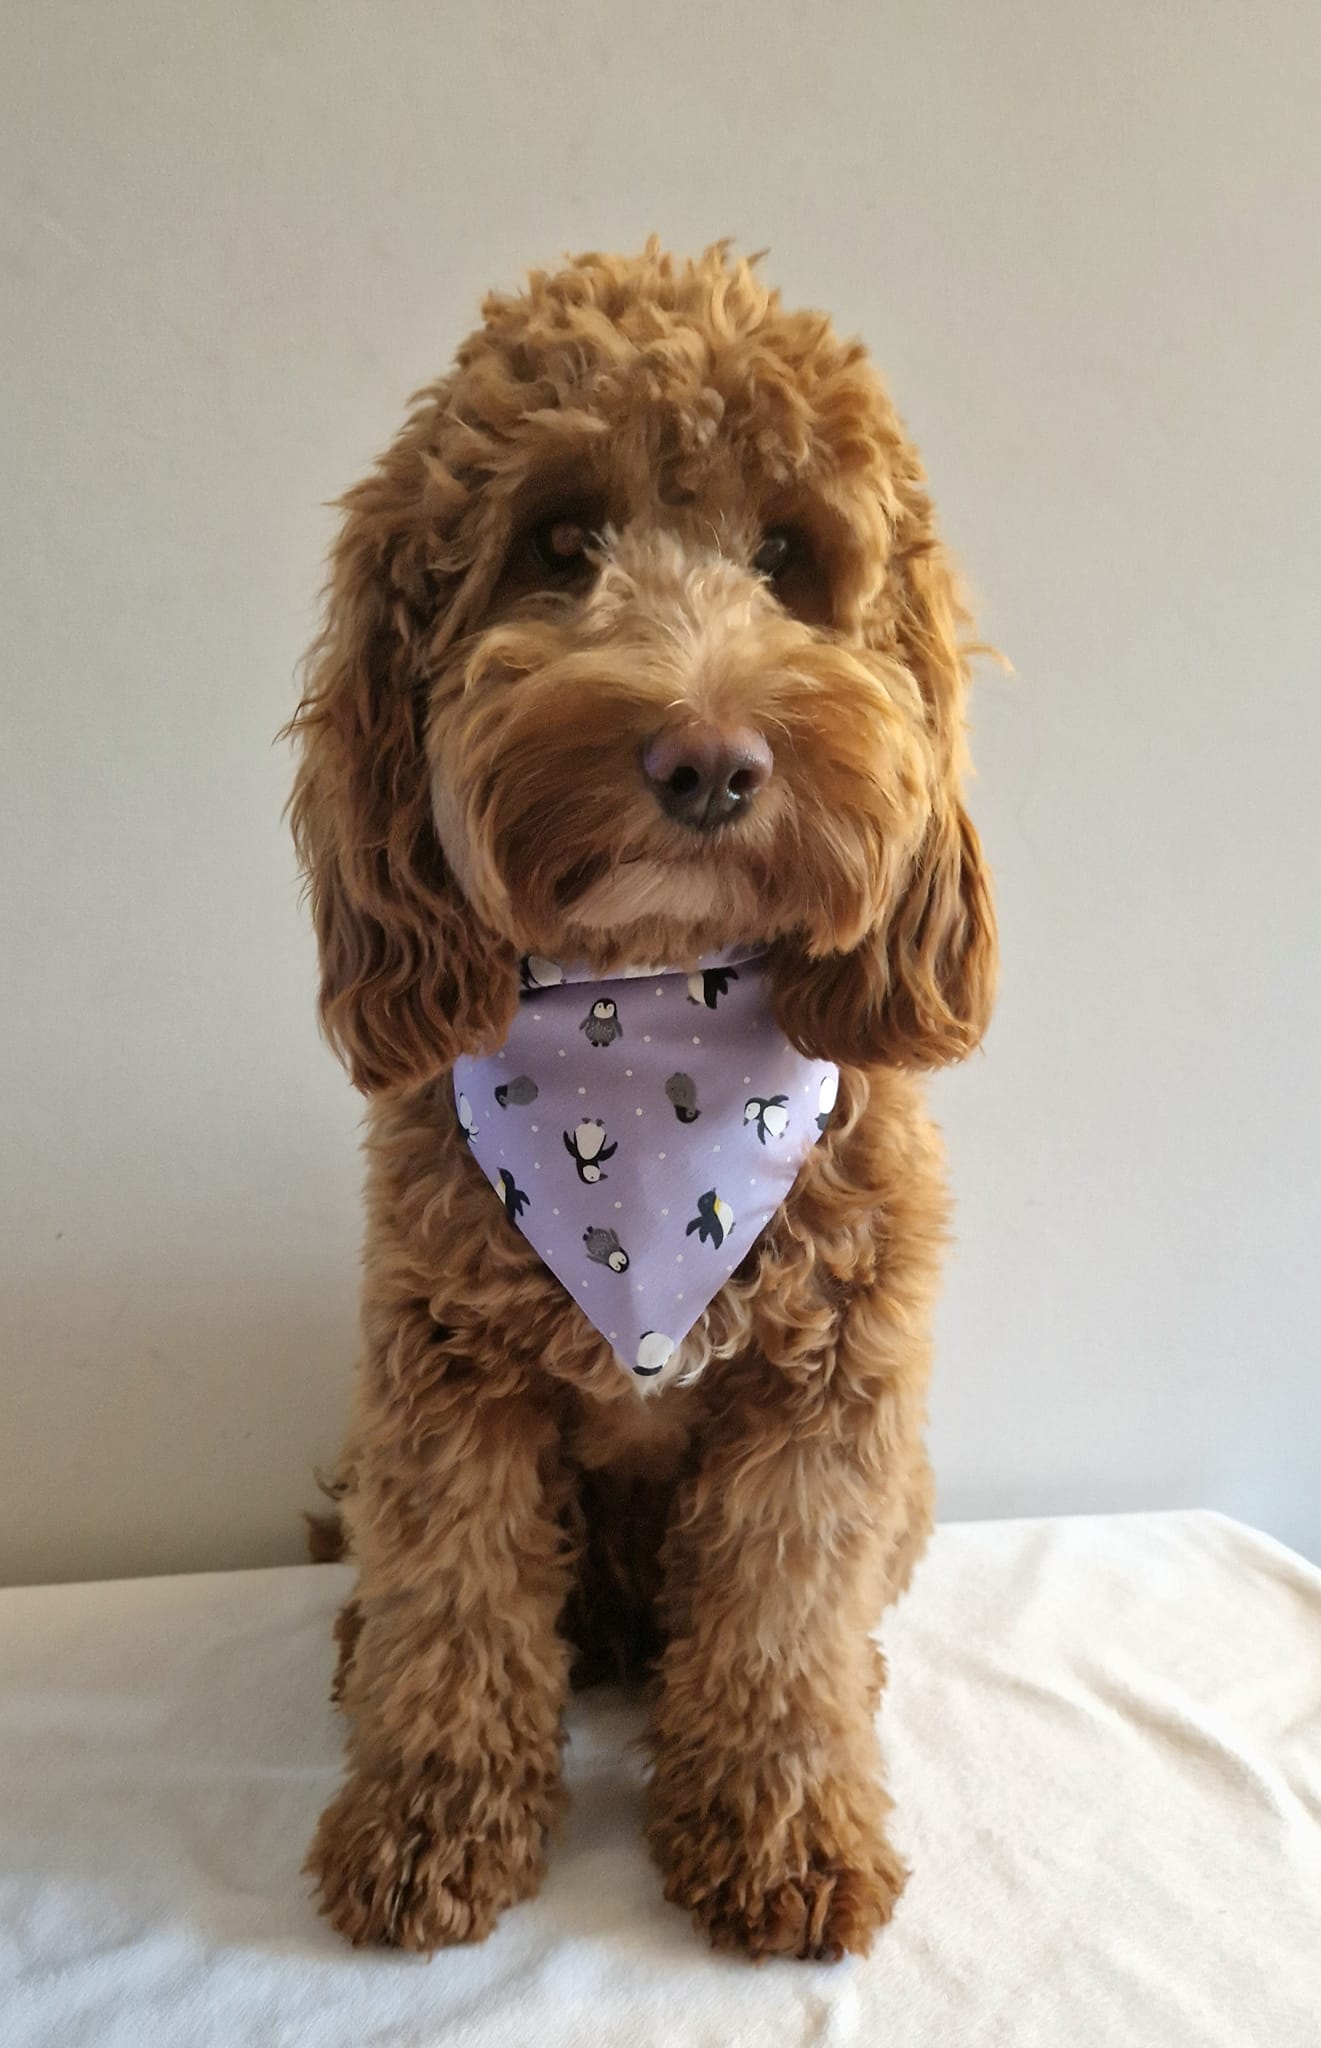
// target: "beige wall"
[[1083, 241]]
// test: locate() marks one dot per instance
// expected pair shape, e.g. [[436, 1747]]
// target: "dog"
[[641, 657]]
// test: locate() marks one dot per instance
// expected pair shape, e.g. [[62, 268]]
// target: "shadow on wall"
[[175, 1414]]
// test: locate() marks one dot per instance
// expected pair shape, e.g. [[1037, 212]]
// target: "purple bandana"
[[641, 1132]]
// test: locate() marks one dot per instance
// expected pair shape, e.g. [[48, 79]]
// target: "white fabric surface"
[[1104, 1736]]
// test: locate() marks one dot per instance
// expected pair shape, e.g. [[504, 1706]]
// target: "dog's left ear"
[[918, 990]]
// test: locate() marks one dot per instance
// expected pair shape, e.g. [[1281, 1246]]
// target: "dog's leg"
[[767, 1810], [458, 1677]]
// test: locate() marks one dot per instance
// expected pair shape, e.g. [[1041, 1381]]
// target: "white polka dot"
[[660, 1155], [500, 1055], [628, 1073], [660, 991], [696, 1039], [561, 1052], [646, 1038], [536, 1129], [637, 1112], [582, 1091], [554, 1212], [619, 1205], [715, 1148], [747, 1080], [678, 1258], [678, 1297], [536, 1016], [614, 1336], [536, 1166]]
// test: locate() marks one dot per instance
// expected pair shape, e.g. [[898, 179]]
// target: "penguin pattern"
[[513, 1197], [714, 1220], [654, 1354], [827, 1096], [587, 1148], [521, 1091], [681, 1094], [641, 1180], [767, 1113], [602, 1023], [709, 984], [605, 1248]]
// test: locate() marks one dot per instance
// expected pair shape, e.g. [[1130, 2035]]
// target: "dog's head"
[[640, 642]]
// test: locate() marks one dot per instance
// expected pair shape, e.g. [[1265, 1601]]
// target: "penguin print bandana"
[[641, 1131]]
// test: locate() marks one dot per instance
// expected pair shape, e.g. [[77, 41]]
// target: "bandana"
[[641, 1131]]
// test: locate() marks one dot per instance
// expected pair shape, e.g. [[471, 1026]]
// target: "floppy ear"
[[410, 977], [918, 990]]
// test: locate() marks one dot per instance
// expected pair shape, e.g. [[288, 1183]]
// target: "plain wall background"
[[1082, 243]]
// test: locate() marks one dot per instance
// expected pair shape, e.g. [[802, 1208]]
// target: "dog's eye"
[[560, 546], [797, 573], [780, 549]]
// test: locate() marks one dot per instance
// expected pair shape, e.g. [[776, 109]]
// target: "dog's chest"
[[643, 1436]]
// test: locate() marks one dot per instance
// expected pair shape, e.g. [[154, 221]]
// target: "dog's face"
[[640, 643]]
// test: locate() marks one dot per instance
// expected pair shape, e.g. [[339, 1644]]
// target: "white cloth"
[[1104, 1737]]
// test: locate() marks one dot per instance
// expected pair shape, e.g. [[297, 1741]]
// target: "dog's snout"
[[703, 775]]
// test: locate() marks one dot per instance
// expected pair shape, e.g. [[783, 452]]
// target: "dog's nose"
[[702, 775]]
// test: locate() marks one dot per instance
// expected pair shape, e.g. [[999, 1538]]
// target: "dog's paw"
[[397, 1871], [806, 1888]]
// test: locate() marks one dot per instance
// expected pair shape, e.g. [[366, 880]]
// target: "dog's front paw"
[[816, 1885], [402, 1869]]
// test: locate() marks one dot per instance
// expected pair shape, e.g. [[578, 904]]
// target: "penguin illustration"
[[514, 1198], [602, 1023], [534, 972], [767, 1113], [826, 1099], [709, 984], [714, 1220], [467, 1121], [520, 1091], [681, 1094], [605, 1248], [654, 1354], [587, 1148]]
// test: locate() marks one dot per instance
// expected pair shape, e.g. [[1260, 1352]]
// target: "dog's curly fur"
[[468, 790]]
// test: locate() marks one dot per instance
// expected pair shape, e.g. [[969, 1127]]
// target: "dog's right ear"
[[410, 977]]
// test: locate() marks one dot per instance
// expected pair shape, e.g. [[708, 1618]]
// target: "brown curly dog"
[[646, 499]]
